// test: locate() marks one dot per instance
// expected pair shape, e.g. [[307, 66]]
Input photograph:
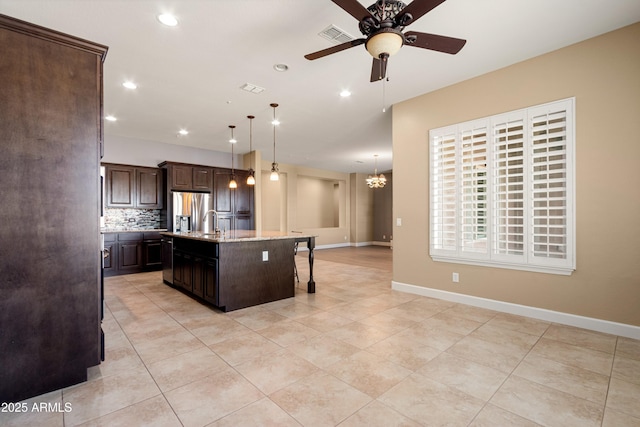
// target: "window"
[[502, 190]]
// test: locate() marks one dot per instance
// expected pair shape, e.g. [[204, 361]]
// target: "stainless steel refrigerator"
[[189, 210]]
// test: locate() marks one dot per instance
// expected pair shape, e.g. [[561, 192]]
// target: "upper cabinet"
[[133, 187], [149, 194], [235, 207], [183, 177]]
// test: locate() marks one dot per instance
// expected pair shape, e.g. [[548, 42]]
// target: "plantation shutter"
[[473, 189], [502, 190], [551, 207], [509, 192], [443, 191]]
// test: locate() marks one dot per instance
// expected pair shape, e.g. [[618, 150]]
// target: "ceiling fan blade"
[[334, 49], [353, 8], [417, 8], [435, 42], [378, 69]]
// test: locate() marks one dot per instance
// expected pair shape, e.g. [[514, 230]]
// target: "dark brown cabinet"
[[152, 254], [183, 177], [132, 252], [110, 254], [133, 187], [195, 269], [51, 127], [149, 188], [129, 252], [120, 186], [202, 178], [235, 207]]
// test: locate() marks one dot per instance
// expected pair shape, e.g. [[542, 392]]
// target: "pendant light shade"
[[251, 179], [274, 166], [233, 184], [375, 180]]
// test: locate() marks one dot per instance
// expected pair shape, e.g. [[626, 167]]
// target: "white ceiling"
[[189, 76]]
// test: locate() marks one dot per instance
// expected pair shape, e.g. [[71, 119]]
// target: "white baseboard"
[[605, 326], [303, 247]]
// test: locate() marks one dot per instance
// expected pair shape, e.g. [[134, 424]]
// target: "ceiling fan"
[[382, 24]]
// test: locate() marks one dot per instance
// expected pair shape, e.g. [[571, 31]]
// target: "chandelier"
[[375, 180]]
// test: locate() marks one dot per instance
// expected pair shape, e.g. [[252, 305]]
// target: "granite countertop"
[[132, 230], [237, 236]]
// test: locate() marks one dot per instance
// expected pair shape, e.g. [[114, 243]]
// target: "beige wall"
[[361, 210], [282, 210], [604, 76]]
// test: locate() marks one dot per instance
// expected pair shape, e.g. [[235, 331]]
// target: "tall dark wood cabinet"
[[51, 144]]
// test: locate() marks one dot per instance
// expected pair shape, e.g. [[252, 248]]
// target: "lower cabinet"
[[195, 273], [210, 278], [127, 253]]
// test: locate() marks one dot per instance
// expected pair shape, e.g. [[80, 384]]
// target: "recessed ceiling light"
[[168, 19], [183, 132], [281, 67], [345, 94], [111, 118], [129, 85]]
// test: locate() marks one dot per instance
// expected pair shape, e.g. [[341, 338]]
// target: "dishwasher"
[[167, 259]]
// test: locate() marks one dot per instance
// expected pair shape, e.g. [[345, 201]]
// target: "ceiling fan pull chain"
[[384, 109]]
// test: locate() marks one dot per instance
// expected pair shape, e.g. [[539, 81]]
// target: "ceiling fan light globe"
[[387, 42]]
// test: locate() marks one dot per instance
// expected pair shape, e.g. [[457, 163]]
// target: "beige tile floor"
[[354, 354]]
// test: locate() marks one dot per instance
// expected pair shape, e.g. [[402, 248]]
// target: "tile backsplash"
[[131, 219]]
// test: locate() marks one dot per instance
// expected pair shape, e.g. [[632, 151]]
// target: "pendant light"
[[274, 166], [232, 182], [376, 181], [251, 179]]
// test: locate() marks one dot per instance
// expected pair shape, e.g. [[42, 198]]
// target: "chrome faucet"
[[204, 219]]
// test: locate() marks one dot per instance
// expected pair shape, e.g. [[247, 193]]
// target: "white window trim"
[[526, 262]]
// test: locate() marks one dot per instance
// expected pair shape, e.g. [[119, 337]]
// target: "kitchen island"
[[236, 269]]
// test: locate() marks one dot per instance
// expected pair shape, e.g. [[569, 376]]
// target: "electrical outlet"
[[265, 255], [399, 222], [456, 278]]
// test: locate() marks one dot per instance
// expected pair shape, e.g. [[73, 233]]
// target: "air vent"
[[252, 88], [335, 34]]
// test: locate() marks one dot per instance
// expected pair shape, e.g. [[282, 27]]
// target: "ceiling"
[[189, 76]]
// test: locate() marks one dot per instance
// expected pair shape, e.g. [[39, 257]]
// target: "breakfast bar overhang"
[[239, 268]]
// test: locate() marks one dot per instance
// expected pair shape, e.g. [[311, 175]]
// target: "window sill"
[[564, 271]]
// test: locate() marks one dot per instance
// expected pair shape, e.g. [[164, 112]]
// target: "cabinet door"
[[198, 276], [178, 262], [181, 177], [187, 272], [243, 201], [149, 188], [120, 186], [152, 254], [222, 192], [110, 258], [210, 277], [244, 222], [130, 256], [202, 178], [225, 223]]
